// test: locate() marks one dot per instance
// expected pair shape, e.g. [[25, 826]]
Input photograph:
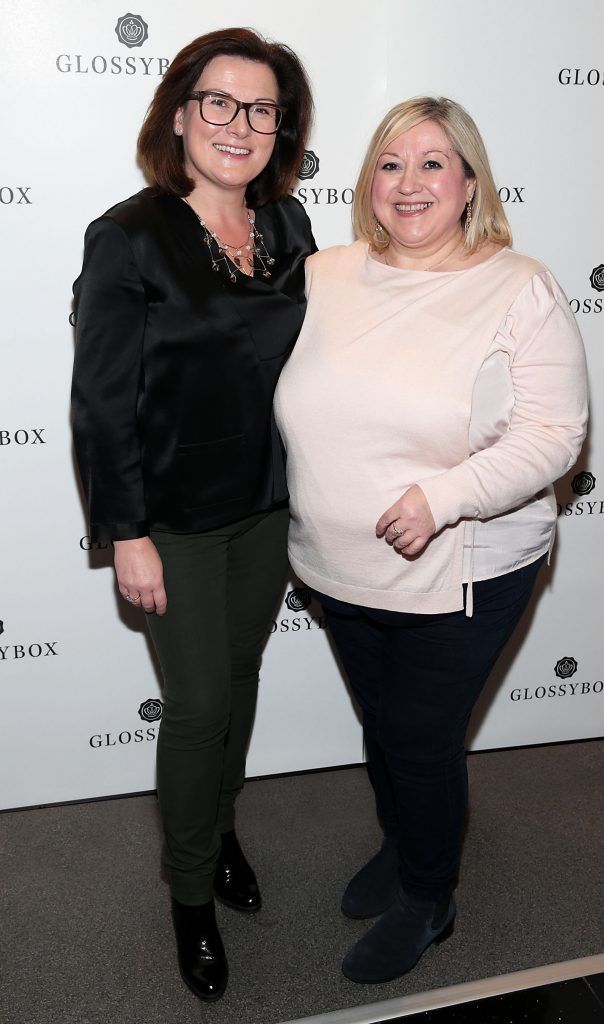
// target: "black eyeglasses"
[[220, 108]]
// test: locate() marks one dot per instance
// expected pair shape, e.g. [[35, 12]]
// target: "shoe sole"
[[209, 998], [444, 935], [237, 906], [365, 917]]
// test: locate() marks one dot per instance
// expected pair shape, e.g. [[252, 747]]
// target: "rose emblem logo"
[[565, 668], [131, 30], [299, 599], [150, 710], [583, 483], [309, 165], [596, 278]]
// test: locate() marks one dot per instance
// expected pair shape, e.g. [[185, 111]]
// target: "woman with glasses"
[[189, 302]]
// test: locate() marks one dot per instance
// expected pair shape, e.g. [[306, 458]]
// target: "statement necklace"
[[233, 258]]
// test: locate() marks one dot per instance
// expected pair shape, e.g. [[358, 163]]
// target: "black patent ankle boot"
[[201, 956], [234, 881]]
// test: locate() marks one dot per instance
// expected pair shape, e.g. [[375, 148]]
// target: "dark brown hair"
[[161, 151]]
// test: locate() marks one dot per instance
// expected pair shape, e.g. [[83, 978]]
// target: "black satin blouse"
[[175, 369]]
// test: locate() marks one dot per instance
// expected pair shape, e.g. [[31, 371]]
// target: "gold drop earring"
[[468, 222]]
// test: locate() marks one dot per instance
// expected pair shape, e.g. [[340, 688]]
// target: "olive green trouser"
[[223, 586]]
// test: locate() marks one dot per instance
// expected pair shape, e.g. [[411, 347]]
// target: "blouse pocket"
[[212, 472]]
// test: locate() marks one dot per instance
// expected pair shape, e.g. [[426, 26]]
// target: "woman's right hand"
[[140, 574]]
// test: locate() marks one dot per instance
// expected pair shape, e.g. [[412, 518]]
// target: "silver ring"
[[396, 530], [128, 597]]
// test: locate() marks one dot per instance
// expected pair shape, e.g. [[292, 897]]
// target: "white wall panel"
[[76, 668]]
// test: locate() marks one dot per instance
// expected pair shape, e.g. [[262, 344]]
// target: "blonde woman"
[[435, 392]]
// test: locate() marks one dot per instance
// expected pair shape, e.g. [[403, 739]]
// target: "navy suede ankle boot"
[[396, 942], [374, 888]]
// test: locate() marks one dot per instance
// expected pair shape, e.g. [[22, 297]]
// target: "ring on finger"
[[395, 529], [130, 598]]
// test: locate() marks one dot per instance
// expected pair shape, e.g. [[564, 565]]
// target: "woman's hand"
[[408, 524], [140, 574]]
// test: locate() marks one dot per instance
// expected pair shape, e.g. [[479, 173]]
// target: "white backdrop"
[[80, 691]]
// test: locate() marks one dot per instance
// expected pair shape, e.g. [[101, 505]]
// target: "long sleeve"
[[548, 421], [111, 310]]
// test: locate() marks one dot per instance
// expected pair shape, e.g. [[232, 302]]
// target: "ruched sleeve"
[[548, 421], [110, 308]]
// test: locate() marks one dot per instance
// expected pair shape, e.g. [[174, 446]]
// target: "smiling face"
[[227, 156], [420, 189]]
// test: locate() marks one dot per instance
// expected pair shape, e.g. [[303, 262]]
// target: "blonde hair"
[[489, 222]]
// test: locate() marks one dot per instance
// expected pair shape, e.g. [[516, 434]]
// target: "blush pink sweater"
[[377, 396]]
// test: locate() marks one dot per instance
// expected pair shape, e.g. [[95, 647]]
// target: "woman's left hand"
[[408, 524]]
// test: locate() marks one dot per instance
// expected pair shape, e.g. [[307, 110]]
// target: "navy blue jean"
[[416, 679]]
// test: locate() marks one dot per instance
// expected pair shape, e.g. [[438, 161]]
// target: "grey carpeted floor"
[[85, 930]]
